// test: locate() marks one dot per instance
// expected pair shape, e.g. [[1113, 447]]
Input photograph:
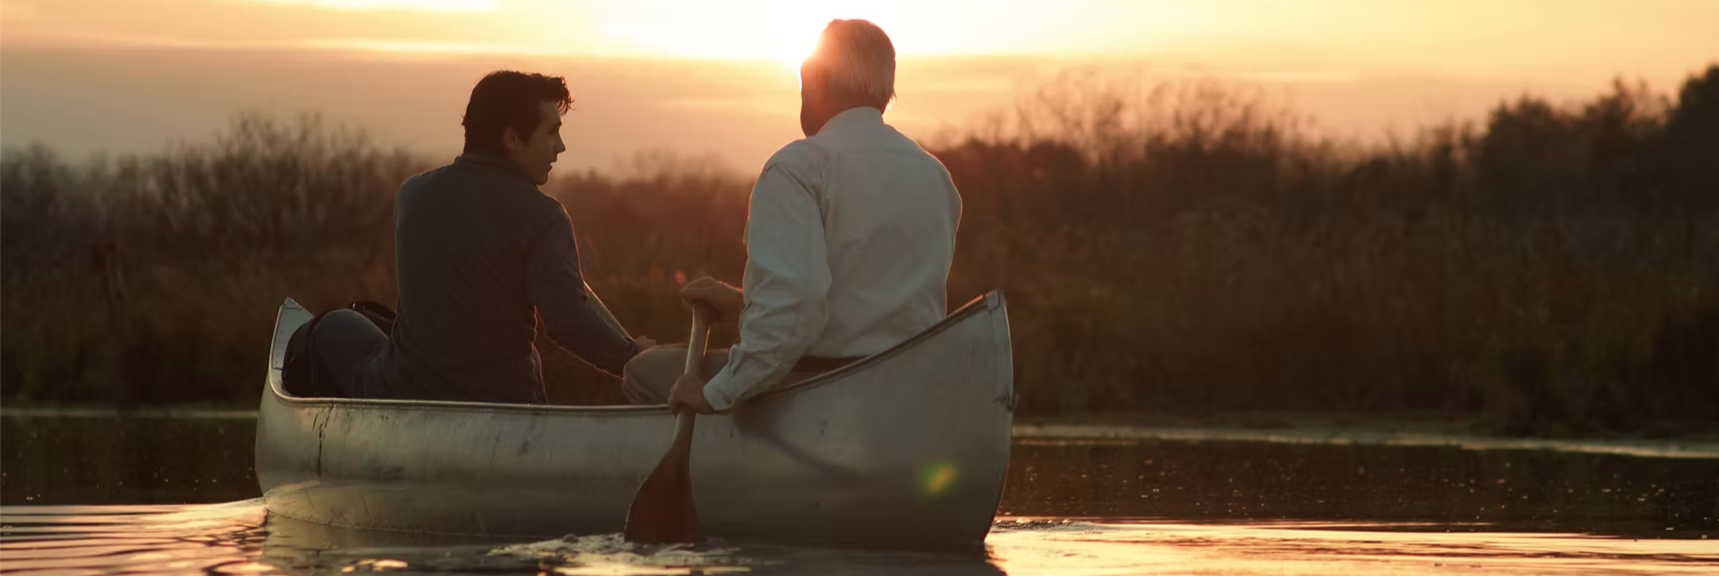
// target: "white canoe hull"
[[906, 448]]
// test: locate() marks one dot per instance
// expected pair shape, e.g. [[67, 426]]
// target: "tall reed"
[[1180, 248]]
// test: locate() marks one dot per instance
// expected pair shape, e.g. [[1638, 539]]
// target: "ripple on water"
[[240, 538], [1066, 547], [219, 539], [610, 553]]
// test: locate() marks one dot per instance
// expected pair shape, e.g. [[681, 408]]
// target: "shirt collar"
[[852, 117]]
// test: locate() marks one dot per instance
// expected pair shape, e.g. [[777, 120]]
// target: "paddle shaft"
[[696, 347], [609, 317], [662, 511]]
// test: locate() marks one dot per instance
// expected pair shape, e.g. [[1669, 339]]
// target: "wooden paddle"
[[662, 511], [603, 311]]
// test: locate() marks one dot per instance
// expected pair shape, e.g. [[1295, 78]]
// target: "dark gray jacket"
[[478, 249]]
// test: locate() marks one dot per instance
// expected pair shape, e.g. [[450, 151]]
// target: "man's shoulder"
[[423, 179], [454, 186], [800, 156], [456, 176], [441, 179]]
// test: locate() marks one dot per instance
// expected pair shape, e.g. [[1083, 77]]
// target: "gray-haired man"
[[850, 237]]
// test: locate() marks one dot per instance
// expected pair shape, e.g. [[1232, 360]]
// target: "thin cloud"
[[377, 5], [348, 45], [783, 106], [19, 13], [419, 47], [59, 38]]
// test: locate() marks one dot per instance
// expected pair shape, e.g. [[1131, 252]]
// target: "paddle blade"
[[663, 512]]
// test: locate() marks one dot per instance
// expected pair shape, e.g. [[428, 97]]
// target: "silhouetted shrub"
[[1180, 248]]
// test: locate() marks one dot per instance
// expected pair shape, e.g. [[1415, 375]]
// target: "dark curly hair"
[[507, 98]]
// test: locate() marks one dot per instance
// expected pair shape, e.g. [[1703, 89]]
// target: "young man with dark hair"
[[480, 252]]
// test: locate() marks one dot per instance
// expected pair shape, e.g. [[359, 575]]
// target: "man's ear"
[[510, 139], [812, 81]]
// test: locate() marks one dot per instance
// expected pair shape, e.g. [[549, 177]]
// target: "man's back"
[[480, 255], [850, 237], [478, 251], [890, 213]]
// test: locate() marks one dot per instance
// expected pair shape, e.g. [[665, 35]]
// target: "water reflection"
[[133, 539], [1069, 548], [1451, 488], [209, 460], [84, 460], [1069, 508], [239, 538]]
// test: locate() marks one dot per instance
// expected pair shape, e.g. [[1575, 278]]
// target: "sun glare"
[[786, 31], [376, 5], [784, 41]]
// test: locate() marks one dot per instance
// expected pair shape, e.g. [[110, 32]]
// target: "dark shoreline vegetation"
[[1181, 249]]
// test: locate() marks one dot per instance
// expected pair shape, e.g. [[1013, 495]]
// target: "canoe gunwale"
[[988, 301]]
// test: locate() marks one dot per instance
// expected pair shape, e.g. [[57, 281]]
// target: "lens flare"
[[936, 478]]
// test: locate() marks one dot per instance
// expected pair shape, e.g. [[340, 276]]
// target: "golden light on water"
[[145, 539], [607, 569], [376, 565]]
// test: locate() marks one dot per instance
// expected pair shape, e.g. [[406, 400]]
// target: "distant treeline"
[[1180, 248]]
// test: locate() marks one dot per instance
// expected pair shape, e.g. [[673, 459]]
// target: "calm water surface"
[[109, 496]]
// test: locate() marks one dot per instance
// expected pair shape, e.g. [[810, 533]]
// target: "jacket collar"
[[492, 161]]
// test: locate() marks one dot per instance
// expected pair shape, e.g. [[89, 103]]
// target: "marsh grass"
[[1178, 248]]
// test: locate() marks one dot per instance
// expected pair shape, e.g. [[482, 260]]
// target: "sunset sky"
[[715, 77]]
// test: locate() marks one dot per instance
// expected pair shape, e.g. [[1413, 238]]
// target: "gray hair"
[[857, 59]]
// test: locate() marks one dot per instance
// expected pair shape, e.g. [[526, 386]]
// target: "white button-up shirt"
[[849, 240]]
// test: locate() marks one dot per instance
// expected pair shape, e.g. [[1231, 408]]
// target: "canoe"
[[905, 448]]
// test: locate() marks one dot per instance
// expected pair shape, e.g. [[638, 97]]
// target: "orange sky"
[[1359, 64], [1548, 38]]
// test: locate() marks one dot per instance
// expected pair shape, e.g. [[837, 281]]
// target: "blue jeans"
[[349, 348]]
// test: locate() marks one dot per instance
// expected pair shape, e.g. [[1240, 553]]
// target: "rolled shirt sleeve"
[[558, 291], [786, 282]]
